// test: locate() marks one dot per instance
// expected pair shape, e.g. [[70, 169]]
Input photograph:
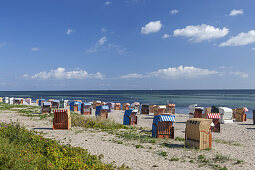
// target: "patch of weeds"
[[191, 161], [154, 166], [221, 158], [139, 146], [202, 159], [179, 139], [232, 143], [150, 147], [164, 154], [174, 159], [134, 135], [238, 162]]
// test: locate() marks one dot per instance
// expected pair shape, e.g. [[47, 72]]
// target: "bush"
[[23, 149]]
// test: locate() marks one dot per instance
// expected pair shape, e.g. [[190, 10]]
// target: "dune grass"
[[24, 149]]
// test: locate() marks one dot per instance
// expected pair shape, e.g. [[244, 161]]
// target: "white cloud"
[[198, 33], [182, 72], [253, 49], [35, 49], [61, 74], [69, 31], [102, 40], [153, 26], [165, 36], [240, 40], [240, 74], [174, 11], [235, 12], [132, 75], [174, 73], [107, 3]]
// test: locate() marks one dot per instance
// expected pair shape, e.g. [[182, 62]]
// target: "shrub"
[[23, 149]]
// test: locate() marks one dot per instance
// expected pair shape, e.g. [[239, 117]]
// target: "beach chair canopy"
[[75, 103], [87, 104], [163, 118], [19, 99], [46, 103], [161, 107], [213, 115], [56, 101], [245, 109], [128, 112], [105, 107]]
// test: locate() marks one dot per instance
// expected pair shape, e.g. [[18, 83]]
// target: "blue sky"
[[127, 44]]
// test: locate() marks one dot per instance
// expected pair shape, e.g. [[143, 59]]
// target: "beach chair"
[[75, 106], [125, 106], [198, 133], [62, 119], [130, 117], [198, 112], [102, 112], [18, 101], [226, 115], [111, 106], [145, 109], [240, 114], [117, 106], [46, 107], [86, 109], [170, 108], [216, 121], [162, 126], [159, 110], [55, 104]]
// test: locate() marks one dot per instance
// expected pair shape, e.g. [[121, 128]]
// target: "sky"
[[127, 44]]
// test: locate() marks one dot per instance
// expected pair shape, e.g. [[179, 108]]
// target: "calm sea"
[[182, 98]]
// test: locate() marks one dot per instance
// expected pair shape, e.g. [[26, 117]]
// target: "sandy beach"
[[234, 144]]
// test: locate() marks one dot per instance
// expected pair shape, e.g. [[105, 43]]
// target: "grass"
[[179, 139], [164, 154], [174, 159], [139, 146], [89, 122], [232, 143], [23, 149]]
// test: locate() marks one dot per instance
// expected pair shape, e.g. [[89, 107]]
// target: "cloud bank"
[[61, 74], [198, 33]]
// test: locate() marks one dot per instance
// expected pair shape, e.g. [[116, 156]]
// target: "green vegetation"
[[174, 159], [89, 122], [139, 146], [23, 149], [233, 143], [164, 154], [179, 139]]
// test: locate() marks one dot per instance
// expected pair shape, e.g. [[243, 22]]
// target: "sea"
[[181, 98]]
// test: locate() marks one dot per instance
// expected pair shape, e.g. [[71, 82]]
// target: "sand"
[[98, 142]]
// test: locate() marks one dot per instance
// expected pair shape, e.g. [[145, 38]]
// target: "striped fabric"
[[62, 111], [245, 109], [163, 118], [213, 115]]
